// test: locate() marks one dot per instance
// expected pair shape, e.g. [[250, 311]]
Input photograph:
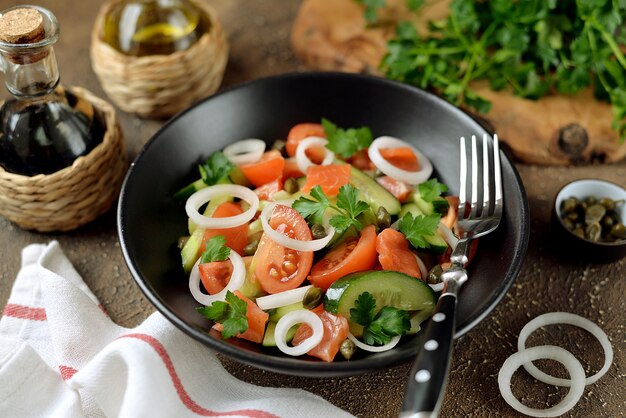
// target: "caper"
[[572, 216], [251, 248], [347, 349], [594, 214], [434, 275], [590, 200], [569, 204], [607, 221], [318, 231], [279, 145], [291, 185], [593, 232], [579, 231], [608, 203], [383, 218], [313, 297], [568, 224], [182, 241], [618, 231]]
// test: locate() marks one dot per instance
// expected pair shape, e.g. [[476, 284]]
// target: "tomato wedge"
[[352, 255], [301, 131], [236, 237], [256, 321], [267, 169], [216, 274], [335, 332], [291, 169], [399, 189], [394, 253], [329, 177], [401, 157], [278, 268], [266, 191]]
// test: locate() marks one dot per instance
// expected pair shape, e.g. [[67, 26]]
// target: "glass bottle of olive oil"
[[153, 27]]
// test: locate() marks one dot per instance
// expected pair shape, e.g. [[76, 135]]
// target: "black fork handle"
[[429, 375]]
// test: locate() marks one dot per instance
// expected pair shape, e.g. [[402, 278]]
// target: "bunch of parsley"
[[533, 47]]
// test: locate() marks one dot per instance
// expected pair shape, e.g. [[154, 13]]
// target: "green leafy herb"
[[216, 250], [379, 328], [346, 142], [215, 169], [431, 189], [532, 47], [348, 208], [371, 7], [416, 227], [231, 314]]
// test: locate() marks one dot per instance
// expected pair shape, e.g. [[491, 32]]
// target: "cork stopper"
[[22, 26]]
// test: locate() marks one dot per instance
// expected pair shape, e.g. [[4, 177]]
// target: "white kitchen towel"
[[61, 355]]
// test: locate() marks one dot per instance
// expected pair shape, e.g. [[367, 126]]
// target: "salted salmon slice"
[[401, 157], [335, 332], [329, 177]]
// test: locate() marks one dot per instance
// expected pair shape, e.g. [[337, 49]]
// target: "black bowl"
[[575, 248], [150, 222]]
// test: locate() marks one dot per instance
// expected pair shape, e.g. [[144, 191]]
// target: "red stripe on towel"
[[24, 312], [182, 393], [67, 372]]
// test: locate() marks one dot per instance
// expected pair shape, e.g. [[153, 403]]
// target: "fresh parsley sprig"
[[215, 250], [346, 142], [379, 328], [415, 228], [348, 208], [231, 314], [215, 169], [431, 189]]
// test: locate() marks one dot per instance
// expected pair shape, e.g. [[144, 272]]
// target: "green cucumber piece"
[[389, 288], [189, 253], [439, 205], [208, 211], [270, 341], [237, 177], [251, 287], [416, 321], [284, 310], [411, 208], [436, 244], [184, 193], [373, 193]]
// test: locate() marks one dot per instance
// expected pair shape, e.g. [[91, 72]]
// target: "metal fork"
[[427, 380]]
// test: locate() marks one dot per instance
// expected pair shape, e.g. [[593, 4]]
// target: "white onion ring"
[[246, 151], [301, 158], [573, 366], [283, 298], [204, 195], [411, 177], [372, 348], [237, 278], [570, 319], [301, 316], [421, 265], [294, 244], [448, 235]]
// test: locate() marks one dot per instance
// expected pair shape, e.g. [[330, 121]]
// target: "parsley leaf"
[[231, 314], [216, 168], [415, 228], [348, 199], [346, 142], [216, 250], [312, 210], [431, 189], [380, 328]]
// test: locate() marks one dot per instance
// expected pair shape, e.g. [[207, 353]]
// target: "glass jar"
[[153, 27], [43, 127]]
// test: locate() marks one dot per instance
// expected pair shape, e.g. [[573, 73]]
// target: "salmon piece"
[[399, 189], [335, 332], [256, 321], [329, 177], [394, 253], [401, 157]]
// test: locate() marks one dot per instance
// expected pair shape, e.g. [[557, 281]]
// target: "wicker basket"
[[75, 195], [159, 86]]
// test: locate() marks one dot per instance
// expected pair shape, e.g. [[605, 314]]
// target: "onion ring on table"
[[573, 366], [410, 177], [553, 318], [202, 196], [303, 161], [246, 151], [237, 279], [282, 298], [285, 241], [301, 316], [374, 348]]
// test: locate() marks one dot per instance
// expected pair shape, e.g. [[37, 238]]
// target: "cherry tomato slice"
[[348, 257], [278, 268]]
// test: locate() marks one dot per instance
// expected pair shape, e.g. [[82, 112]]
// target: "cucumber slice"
[[189, 253], [284, 310], [439, 205], [411, 208], [389, 288], [270, 341], [237, 177], [208, 211], [373, 193], [436, 244], [184, 193]]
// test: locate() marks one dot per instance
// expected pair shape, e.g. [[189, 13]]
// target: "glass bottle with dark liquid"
[[153, 27], [43, 128]]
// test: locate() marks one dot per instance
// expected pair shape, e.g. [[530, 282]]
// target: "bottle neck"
[[31, 74]]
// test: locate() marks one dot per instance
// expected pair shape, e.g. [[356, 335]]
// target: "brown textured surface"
[[258, 33]]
